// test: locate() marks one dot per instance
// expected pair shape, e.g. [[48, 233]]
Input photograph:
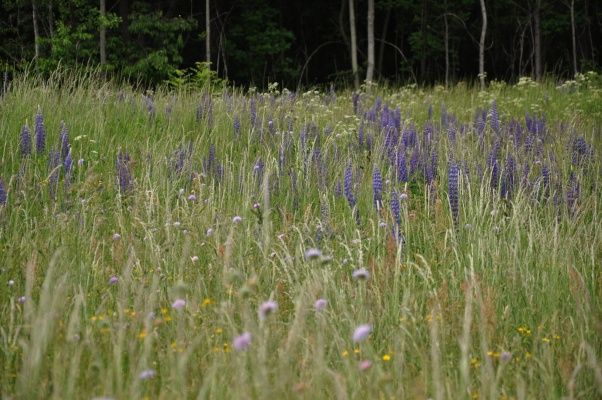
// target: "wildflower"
[[40, 132], [266, 308], [365, 365], [256, 206], [382, 224], [242, 341], [178, 304], [236, 219], [361, 274], [505, 356], [312, 253], [386, 357], [147, 374], [452, 187], [209, 232], [3, 195], [362, 332], [113, 280], [11, 283], [348, 186], [192, 197], [124, 175], [194, 259], [65, 146], [21, 299], [177, 224], [116, 237], [25, 143], [377, 188], [80, 162], [320, 304]]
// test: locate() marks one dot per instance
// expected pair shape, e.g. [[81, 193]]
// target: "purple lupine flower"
[[545, 179], [452, 188], [242, 342], [124, 175], [3, 194], [362, 332], [509, 177], [253, 111], [236, 125], [25, 142], [348, 186], [402, 171], [395, 207], [68, 164], [40, 132], [267, 308], [495, 118], [572, 193], [338, 189], [414, 162], [377, 188], [64, 139], [580, 151]]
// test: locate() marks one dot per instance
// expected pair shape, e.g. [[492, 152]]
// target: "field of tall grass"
[[397, 243]]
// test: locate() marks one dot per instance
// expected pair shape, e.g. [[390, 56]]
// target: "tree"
[[103, 32], [36, 31], [207, 32], [356, 81], [370, 69], [482, 45], [537, 38]]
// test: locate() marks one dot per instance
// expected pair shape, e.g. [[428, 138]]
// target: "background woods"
[[253, 42]]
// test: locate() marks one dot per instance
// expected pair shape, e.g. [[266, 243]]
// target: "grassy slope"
[[522, 277]]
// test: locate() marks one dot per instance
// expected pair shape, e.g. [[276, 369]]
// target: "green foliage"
[[257, 43], [197, 77]]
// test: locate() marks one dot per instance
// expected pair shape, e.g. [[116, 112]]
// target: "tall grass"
[[504, 304]]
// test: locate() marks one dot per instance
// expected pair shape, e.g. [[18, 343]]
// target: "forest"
[[313, 42]]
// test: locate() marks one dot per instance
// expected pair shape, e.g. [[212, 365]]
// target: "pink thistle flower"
[[147, 374], [242, 341], [236, 219], [362, 332], [365, 365], [361, 274], [113, 280], [266, 308], [178, 304], [320, 304], [116, 236], [312, 253]]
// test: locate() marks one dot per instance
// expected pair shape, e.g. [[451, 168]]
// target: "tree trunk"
[[423, 40], [103, 32], [208, 31], [370, 69], [50, 20], [356, 81], [36, 32], [446, 39], [383, 39], [537, 39], [574, 38], [482, 45]]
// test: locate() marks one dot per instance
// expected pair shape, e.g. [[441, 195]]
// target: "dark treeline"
[[253, 42]]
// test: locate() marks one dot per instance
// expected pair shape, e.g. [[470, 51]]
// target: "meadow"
[[398, 243]]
